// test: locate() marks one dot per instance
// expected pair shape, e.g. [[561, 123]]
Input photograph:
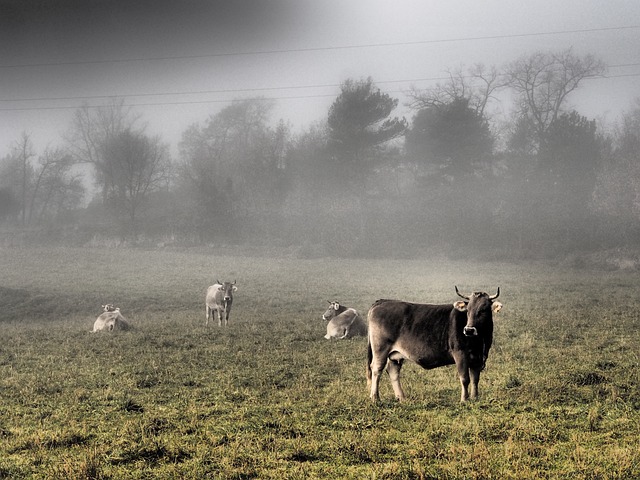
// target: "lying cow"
[[343, 322], [111, 319], [431, 336], [219, 300]]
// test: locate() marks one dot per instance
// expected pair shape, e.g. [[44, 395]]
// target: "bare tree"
[[477, 85], [92, 127], [16, 173], [134, 166], [543, 81], [54, 188], [41, 189], [23, 151]]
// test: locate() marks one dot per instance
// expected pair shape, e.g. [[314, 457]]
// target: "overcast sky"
[[186, 60]]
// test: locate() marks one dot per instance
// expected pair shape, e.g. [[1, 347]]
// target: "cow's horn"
[[493, 297], [218, 282], [459, 294]]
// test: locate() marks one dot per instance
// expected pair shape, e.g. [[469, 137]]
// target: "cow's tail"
[[370, 322], [369, 360]]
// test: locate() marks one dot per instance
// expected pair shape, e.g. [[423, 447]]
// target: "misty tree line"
[[544, 182]]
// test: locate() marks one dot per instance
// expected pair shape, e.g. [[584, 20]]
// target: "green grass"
[[268, 397]]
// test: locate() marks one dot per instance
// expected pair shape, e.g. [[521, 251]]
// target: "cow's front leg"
[[219, 317], [463, 374], [393, 369], [464, 383], [475, 379]]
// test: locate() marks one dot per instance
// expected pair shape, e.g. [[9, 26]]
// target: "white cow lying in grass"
[[343, 322], [110, 319]]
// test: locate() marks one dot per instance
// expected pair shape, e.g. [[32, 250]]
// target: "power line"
[[257, 89], [622, 75], [202, 102], [624, 65], [207, 92], [157, 104], [317, 49]]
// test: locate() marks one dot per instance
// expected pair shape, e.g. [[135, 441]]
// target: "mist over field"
[[292, 126]]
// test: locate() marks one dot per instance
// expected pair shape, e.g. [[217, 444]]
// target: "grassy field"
[[268, 397]]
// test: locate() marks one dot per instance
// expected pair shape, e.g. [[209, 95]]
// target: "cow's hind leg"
[[393, 369], [208, 312], [376, 370]]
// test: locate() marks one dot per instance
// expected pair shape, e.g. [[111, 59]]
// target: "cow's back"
[[396, 318]]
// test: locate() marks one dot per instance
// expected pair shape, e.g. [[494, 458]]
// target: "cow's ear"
[[336, 306], [496, 307], [235, 288], [460, 306]]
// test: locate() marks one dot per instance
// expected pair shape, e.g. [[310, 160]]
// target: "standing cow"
[[110, 319], [343, 322], [219, 300], [431, 336]]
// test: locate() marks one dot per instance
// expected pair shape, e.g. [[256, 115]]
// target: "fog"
[[178, 74], [161, 55]]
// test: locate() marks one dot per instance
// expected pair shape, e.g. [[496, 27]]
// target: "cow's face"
[[479, 308], [227, 288], [332, 311], [109, 308]]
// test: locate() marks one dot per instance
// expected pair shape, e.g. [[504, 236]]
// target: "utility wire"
[[263, 89], [316, 49], [157, 104], [205, 92], [201, 102]]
